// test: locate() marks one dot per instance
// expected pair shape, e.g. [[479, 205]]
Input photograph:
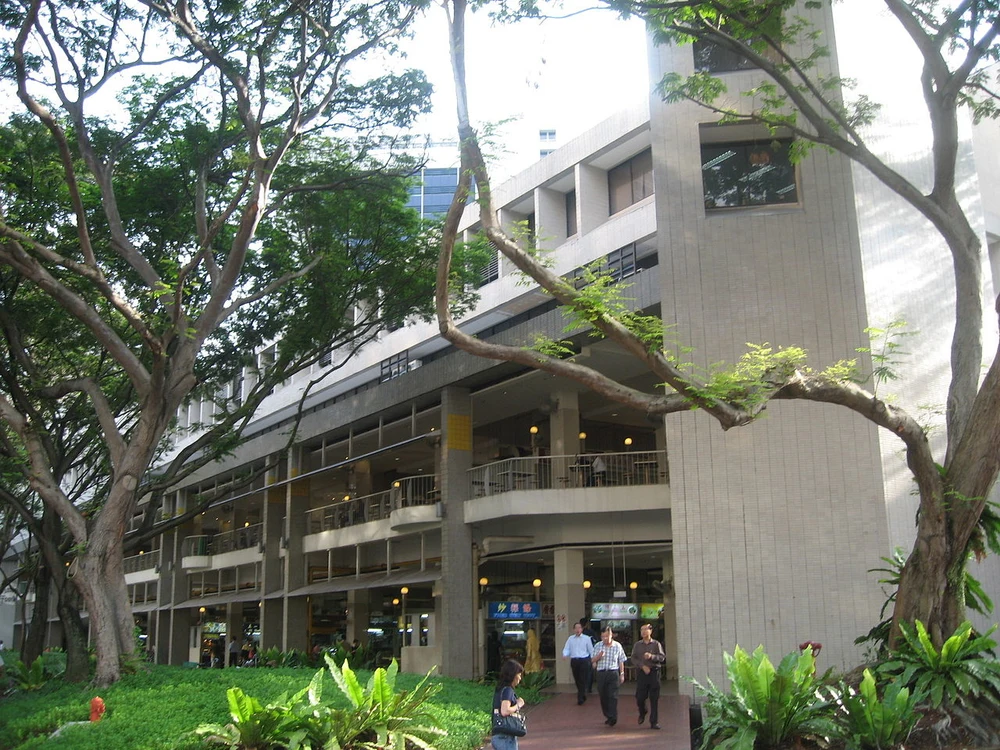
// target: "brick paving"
[[560, 724]]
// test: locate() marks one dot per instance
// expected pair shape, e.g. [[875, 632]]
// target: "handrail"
[[142, 561], [405, 493], [561, 472]]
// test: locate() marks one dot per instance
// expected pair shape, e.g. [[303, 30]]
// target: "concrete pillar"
[[569, 603], [358, 615], [669, 618], [234, 628], [456, 637], [564, 440], [272, 610], [295, 625], [591, 197], [173, 634]]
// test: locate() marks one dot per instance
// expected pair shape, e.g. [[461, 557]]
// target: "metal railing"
[[405, 493], [246, 537], [142, 561], [557, 472], [241, 538]]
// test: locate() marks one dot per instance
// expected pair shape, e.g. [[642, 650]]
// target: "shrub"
[[766, 706], [867, 723], [379, 716], [537, 681], [958, 674]]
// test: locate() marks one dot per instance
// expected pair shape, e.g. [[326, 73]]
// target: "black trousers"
[[581, 676], [607, 686], [648, 686]]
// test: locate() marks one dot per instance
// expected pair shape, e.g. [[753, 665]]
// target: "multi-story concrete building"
[[443, 507]]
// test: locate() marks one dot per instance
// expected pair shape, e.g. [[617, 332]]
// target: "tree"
[[230, 202], [957, 41]]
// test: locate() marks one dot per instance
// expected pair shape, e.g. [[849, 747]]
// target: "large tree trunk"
[[75, 633], [34, 639], [101, 580]]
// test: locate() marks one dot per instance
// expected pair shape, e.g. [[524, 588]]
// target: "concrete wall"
[[777, 524]]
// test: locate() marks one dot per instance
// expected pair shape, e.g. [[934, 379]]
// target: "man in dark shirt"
[[647, 656]]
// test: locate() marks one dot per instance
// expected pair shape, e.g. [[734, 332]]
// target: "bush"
[[867, 723], [766, 706], [962, 672], [378, 716]]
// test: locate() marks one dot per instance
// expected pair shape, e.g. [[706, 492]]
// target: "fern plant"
[[29, 677], [868, 723], [765, 706], [960, 673]]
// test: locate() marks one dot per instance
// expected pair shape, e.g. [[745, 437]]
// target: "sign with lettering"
[[514, 610], [614, 611]]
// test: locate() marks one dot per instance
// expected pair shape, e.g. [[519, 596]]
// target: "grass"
[[153, 709]]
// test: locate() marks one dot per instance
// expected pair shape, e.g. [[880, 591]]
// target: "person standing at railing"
[[599, 469]]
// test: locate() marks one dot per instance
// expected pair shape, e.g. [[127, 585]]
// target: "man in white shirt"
[[579, 649]]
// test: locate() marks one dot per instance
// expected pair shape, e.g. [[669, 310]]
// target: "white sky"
[[567, 74]]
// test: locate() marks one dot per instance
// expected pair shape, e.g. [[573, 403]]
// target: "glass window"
[[571, 227], [394, 366], [546, 135], [630, 182], [711, 58], [748, 174]]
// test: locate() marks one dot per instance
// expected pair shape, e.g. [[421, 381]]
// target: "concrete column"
[[272, 610], [456, 637], [569, 603], [564, 441], [172, 637], [669, 618], [295, 625], [550, 218], [358, 614], [234, 627], [591, 197]]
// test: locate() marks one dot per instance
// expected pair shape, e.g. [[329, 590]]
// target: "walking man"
[[647, 656], [579, 649], [609, 659]]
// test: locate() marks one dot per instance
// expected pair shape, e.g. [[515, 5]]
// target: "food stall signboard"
[[514, 610], [614, 611]]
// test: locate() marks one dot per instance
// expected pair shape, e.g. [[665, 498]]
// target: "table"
[[512, 479], [645, 471]]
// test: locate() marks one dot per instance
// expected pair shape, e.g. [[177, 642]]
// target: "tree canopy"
[[184, 185]]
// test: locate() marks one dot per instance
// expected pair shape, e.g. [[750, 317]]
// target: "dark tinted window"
[[747, 174]]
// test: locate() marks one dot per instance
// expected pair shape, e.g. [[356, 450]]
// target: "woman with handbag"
[[508, 723]]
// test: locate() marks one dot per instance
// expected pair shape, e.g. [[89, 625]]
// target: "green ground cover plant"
[[156, 707]]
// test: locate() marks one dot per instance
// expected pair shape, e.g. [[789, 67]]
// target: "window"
[[571, 227], [630, 182], [491, 272], [748, 174], [621, 262], [711, 58], [545, 152], [394, 366], [546, 135]]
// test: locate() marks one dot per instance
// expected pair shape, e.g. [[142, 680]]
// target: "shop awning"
[[369, 581], [216, 600]]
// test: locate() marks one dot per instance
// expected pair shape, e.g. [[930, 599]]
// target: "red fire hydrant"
[[96, 708]]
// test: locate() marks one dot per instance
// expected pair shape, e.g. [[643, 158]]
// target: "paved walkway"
[[560, 724]]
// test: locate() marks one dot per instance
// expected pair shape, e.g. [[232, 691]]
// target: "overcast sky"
[[565, 74]]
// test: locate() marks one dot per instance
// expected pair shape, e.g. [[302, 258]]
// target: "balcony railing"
[[246, 537], [405, 493], [556, 472], [144, 561]]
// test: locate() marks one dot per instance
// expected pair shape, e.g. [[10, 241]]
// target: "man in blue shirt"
[[579, 649]]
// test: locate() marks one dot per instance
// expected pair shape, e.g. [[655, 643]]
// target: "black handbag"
[[512, 725]]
